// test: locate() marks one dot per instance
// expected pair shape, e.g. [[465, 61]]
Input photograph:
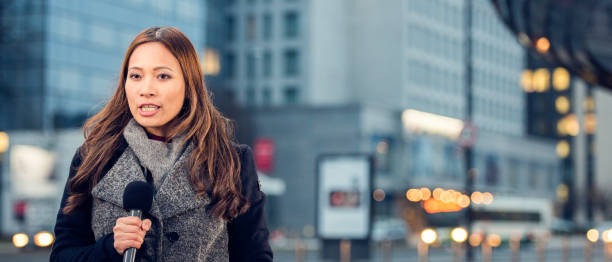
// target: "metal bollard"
[[541, 248], [515, 247], [300, 251], [423, 250], [345, 250], [608, 251], [456, 251], [588, 251], [565, 248], [487, 252], [386, 246]]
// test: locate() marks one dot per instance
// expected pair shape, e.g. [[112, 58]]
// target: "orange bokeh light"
[[437, 206]]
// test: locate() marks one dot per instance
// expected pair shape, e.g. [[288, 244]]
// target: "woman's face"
[[155, 87]]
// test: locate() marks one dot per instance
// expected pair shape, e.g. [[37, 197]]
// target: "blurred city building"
[[60, 58], [315, 77], [567, 80], [59, 63], [361, 76]]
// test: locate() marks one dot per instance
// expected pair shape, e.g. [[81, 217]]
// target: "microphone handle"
[[129, 255]]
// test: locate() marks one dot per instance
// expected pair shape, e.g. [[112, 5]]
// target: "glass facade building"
[[61, 59]]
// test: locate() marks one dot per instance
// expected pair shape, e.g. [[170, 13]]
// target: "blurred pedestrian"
[[161, 127]]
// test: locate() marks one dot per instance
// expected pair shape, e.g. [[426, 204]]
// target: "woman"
[[160, 126]]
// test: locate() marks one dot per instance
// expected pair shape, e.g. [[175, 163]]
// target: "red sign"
[[264, 154]]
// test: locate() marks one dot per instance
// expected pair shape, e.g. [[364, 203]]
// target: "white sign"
[[31, 168], [344, 196]]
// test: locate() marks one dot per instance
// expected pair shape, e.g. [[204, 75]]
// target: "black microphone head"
[[138, 195]]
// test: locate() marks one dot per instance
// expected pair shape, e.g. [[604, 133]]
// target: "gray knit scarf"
[[156, 156]]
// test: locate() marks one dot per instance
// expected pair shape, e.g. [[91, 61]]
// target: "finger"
[[146, 225], [141, 235], [130, 220], [125, 244], [122, 228], [129, 236], [130, 242]]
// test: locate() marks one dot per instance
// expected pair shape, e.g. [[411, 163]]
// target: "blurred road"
[[399, 254]]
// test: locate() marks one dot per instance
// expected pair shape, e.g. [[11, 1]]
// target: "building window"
[[291, 24], [267, 64], [210, 62], [250, 65], [250, 96], [491, 170], [230, 27], [513, 174], [267, 96], [452, 165], [229, 95], [291, 95], [291, 62], [552, 178], [421, 155], [533, 176], [229, 65], [382, 146], [267, 26], [250, 28]]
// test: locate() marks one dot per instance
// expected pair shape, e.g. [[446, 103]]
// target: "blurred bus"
[[508, 216]]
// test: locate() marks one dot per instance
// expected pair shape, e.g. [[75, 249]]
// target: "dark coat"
[[177, 219]]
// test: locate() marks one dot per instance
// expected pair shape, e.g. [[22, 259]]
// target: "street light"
[[20, 240], [487, 198], [475, 239], [459, 234], [43, 239], [428, 237], [463, 201], [4, 142], [379, 195], [541, 80], [493, 240], [562, 104], [592, 235], [563, 149], [606, 236], [561, 79], [542, 45], [425, 193]]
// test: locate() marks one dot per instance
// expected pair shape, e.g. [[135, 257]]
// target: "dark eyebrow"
[[154, 69]]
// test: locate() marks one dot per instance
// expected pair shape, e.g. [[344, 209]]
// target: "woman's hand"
[[130, 232]]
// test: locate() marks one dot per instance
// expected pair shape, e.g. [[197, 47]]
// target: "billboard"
[[344, 183]]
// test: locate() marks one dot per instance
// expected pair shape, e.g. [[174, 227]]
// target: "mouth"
[[148, 109]]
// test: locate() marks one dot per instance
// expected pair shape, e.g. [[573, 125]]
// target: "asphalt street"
[[398, 254]]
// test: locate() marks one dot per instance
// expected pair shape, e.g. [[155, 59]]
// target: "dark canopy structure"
[[575, 34]]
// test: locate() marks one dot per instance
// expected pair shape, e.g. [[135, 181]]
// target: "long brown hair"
[[214, 162]]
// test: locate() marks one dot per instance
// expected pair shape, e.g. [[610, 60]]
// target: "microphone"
[[137, 198]]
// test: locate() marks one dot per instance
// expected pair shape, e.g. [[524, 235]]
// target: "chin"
[[149, 123]]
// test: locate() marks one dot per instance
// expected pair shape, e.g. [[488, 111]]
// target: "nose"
[[148, 89]]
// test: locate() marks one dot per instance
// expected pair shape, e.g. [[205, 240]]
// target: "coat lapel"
[[112, 185], [176, 195]]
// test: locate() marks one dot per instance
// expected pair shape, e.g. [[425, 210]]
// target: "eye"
[[134, 76], [163, 76]]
